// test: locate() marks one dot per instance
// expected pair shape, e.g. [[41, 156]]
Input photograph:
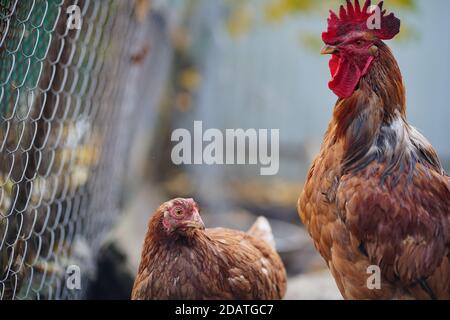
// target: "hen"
[[376, 198], [183, 260]]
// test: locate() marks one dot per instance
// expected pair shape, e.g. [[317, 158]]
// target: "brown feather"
[[207, 264], [377, 195]]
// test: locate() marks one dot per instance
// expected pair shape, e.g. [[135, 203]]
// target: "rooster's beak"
[[329, 50]]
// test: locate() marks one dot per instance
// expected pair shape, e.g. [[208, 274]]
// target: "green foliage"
[[241, 18], [277, 9]]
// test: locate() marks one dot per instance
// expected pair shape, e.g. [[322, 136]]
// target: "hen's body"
[[377, 195], [210, 264]]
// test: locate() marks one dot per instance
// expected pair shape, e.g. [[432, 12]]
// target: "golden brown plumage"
[[181, 261], [377, 194]]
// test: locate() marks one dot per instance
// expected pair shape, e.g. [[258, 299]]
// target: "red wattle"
[[346, 75], [334, 64]]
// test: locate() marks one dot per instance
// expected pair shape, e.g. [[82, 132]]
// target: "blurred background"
[[256, 64]]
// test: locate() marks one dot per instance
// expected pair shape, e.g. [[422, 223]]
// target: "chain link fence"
[[63, 137]]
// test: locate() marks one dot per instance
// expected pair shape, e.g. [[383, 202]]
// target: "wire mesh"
[[62, 139]]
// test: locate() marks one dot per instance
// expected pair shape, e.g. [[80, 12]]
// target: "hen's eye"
[[178, 212], [359, 42]]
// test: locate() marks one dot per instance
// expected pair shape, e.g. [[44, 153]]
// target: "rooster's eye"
[[359, 42]]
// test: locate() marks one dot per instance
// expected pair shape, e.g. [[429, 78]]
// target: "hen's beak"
[[195, 221], [329, 50]]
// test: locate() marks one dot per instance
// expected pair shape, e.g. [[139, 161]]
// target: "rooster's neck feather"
[[371, 124], [381, 90], [384, 79]]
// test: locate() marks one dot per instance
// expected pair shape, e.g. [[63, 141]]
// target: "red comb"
[[355, 19]]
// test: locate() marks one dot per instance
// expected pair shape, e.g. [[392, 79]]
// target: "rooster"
[[376, 198], [183, 260]]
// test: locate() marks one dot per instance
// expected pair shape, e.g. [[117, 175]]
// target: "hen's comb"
[[355, 18]]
